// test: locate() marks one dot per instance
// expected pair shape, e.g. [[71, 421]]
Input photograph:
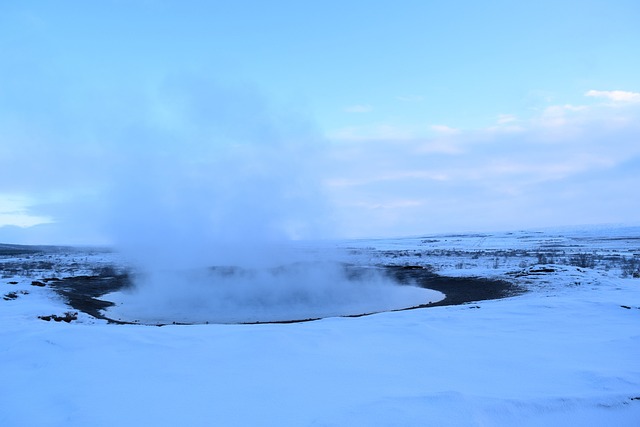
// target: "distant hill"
[[13, 249]]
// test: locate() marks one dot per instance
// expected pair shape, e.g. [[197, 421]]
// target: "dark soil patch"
[[458, 290], [82, 292]]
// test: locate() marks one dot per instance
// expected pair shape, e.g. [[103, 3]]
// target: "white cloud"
[[359, 108], [372, 133], [446, 130], [409, 175], [390, 204], [14, 210], [556, 169], [506, 118], [440, 145], [615, 95], [23, 220], [559, 115], [562, 109]]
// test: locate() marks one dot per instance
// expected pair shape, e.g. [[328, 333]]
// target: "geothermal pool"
[[297, 292], [293, 293]]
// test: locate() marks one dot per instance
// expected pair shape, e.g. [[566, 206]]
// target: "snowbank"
[[565, 353]]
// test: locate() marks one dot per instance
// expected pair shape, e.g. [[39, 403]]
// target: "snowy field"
[[566, 352]]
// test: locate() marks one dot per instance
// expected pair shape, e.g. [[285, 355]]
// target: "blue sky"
[[402, 118]]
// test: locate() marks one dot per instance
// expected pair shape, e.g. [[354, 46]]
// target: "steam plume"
[[229, 185]]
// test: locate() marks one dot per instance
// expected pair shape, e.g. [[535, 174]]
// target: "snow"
[[564, 353]]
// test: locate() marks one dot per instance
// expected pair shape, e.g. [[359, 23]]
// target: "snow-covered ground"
[[565, 353]]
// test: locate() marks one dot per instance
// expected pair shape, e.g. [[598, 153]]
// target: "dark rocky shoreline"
[[83, 292], [458, 290]]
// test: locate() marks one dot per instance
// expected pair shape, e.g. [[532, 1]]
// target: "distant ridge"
[[14, 249]]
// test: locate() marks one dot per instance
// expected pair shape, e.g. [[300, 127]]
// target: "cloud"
[[615, 95], [390, 204], [560, 110], [14, 211], [172, 158], [506, 118], [22, 219], [187, 147], [395, 132], [506, 123], [360, 108], [445, 130], [554, 170], [372, 132], [559, 115]]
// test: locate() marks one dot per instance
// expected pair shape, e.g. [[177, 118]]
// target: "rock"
[[68, 317], [542, 270], [10, 296]]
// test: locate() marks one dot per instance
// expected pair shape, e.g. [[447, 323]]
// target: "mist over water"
[[293, 292], [209, 212]]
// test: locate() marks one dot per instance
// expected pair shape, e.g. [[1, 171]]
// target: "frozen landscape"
[[563, 350], [234, 213]]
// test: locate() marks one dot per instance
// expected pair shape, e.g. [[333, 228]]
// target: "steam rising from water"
[[222, 182], [295, 292]]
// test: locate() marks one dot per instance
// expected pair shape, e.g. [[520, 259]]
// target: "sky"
[[315, 119]]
